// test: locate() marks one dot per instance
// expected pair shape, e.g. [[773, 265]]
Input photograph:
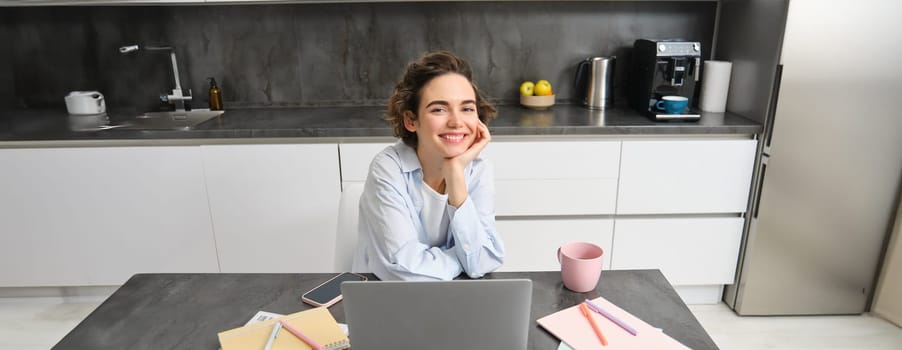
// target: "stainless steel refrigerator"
[[825, 79]]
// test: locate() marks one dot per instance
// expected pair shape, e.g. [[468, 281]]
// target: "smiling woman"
[[427, 211]]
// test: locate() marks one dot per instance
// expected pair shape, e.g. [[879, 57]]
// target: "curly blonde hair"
[[407, 93]]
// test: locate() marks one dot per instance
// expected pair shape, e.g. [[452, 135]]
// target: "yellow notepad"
[[315, 323]]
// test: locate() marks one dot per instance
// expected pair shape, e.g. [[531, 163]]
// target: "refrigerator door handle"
[[759, 187], [772, 108]]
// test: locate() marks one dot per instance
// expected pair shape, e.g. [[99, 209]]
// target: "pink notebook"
[[571, 327]]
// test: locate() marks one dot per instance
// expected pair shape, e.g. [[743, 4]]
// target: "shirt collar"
[[408, 155]]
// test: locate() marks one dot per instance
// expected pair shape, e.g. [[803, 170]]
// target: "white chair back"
[[346, 235]]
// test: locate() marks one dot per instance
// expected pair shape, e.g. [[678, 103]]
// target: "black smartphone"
[[329, 292]]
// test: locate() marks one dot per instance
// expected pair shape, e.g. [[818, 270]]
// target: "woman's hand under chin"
[[453, 168], [479, 142]]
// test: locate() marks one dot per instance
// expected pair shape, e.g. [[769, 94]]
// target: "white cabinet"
[[553, 192], [555, 177], [531, 178], [536, 179], [689, 251], [679, 207], [95, 216], [544, 190], [531, 244], [685, 176], [274, 207], [356, 159]]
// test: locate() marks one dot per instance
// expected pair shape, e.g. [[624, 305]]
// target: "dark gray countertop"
[[186, 311], [340, 122]]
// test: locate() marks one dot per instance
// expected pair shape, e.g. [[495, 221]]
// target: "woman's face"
[[448, 120]]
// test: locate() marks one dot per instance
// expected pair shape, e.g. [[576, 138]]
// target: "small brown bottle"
[[215, 96]]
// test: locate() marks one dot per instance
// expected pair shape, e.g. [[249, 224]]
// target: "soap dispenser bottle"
[[215, 96]]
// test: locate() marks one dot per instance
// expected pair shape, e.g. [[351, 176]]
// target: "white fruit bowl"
[[537, 102]]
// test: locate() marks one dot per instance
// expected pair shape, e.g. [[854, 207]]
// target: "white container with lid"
[[85, 103]]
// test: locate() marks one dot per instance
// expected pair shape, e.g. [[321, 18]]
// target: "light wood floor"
[[732, 332], [40, 322]]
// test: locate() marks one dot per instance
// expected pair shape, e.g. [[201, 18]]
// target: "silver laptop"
[[465, 314]]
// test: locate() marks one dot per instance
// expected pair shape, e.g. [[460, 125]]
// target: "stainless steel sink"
[[176, 120]]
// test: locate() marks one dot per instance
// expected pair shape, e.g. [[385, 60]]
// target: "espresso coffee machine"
[[664, 68]]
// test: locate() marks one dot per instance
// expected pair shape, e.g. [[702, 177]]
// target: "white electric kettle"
[[85, 103]]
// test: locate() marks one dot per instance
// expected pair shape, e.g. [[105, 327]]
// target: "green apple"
[[527, 88]]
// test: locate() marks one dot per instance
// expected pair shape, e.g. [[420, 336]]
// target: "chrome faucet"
[[177, 96]]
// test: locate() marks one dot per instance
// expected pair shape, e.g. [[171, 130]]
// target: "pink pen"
[[313, 344]]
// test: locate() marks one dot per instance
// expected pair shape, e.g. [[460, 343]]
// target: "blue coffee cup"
[[672, 104]]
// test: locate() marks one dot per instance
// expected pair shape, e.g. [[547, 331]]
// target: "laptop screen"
[[461, 314]]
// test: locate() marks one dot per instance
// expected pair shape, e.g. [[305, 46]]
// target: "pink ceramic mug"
[[580, 265]]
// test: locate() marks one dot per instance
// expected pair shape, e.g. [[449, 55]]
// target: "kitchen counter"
[[355, 122]]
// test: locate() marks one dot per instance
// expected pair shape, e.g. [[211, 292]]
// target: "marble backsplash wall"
[[320, 54], [6, 67]]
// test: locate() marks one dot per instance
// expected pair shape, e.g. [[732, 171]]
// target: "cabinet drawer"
[[555, 178], [555, 197], [531, 245], [356, 159], [681, 177], [689, 251], [554, 160]]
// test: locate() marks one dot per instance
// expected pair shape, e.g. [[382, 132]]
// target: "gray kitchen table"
[[186, 311]]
